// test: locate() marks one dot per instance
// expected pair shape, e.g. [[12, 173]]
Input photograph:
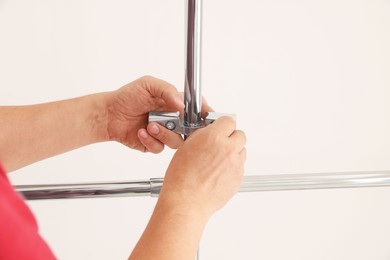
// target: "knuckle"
[[143, 149], [229, 119], [243, 155], [242, 135], [154, 147], [224, 119], [175, 145], [147, 142], [151, 144], [218, 138], [162, 136], [146, 78], [158, 150], [145, 81], [226, 123], [232, 156]]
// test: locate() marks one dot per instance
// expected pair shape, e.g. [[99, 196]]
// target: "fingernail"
[[143, 134], [154, 130]]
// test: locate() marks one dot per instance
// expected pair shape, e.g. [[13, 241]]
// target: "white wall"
[[309, 81]]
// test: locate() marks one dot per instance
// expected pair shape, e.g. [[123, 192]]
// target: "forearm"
[[32, 133], [172, 233], [205, 172]]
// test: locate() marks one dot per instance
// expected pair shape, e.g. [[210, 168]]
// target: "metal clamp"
[[173, 122]]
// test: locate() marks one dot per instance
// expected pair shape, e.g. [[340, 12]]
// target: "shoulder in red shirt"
[[19, 237]]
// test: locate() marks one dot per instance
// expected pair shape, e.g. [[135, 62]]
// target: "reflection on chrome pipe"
[[315, 181], [85, 190], [192, 87], [257, 183]]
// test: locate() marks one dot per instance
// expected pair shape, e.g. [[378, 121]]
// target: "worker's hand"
[[206, 170], [128, 110]]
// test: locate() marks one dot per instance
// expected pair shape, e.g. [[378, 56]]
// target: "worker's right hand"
[[206, 170]]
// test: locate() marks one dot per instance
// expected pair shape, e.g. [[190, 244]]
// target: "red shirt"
[[19, 237]]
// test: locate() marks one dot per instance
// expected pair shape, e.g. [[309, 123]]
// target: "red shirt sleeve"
[[19, 237]]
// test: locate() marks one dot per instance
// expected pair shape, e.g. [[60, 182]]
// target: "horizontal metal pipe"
[[257, 183]]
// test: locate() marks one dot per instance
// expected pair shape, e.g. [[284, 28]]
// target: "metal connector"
[[173, 122]]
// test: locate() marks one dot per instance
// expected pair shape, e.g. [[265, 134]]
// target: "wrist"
[[98, 116], [183, 206], [173, 232]]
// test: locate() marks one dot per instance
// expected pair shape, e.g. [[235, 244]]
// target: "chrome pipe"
[[192, 84], [257, 183]]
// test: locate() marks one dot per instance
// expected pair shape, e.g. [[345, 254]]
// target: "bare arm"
[[204, 174], [172, 233], [32, 133]]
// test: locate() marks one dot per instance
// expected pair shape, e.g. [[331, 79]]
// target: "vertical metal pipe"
[[192, 85]]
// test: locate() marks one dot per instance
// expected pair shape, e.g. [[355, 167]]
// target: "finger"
[[225, 124], [152, 145], [243, 154], [239, 140], [165, 136], [162, 89], [205, 108], [181, 97]]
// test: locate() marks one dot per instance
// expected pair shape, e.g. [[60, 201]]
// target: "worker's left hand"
[[128, 110]]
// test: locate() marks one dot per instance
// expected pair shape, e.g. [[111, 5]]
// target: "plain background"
[[309, 81]]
